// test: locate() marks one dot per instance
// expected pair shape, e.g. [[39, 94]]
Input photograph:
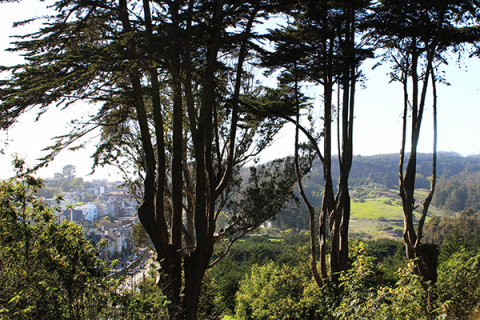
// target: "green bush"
[[232, 269], [48, 270], [406, 300], [366, 297], [459, 284], [271, 292], [358, 285], [212, 303]]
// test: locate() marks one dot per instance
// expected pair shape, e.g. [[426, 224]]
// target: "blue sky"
[[377, 117]]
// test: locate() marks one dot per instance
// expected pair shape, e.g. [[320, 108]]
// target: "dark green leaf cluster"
[[250, 251], [459, 285], [314, 44], [427, 29], [267, 190], [279, 103], [274, 290]]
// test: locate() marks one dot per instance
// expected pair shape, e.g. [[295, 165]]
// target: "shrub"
[[212, 303], [365, 297], [271, 292], [459, 284], [48, 270]]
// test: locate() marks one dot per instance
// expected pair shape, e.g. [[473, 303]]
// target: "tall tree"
[[68, 172], [321, 45], [417, 38], [167, 77]]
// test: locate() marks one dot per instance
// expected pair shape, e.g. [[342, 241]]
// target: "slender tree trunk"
[[340, 216], [427, 254], [313, 247], [327, 214], [177, 160]]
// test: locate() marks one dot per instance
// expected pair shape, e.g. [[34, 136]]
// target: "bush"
[[358, 285], [212, 303], [459, 284], [368, 290], [271, 292], [364, 297], [232, 269], [47, 270], [406, 300]]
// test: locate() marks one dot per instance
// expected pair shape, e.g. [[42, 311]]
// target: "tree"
[[48, 270], [416, 37], [273, 292], [140, 237], [459, 284], [389, 180], [456, 200], [167, 77], [68, 172], [321, 45]]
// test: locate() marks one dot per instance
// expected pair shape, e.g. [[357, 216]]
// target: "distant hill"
[[376, 206], [375, 168], [456, 174]]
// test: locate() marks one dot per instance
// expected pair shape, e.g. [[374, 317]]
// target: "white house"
[[90, 211]]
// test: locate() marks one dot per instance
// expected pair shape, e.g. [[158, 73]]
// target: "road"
[[133, 281]]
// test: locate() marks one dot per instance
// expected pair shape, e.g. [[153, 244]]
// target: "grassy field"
[[377, 213], [376, 208], [376, 218]]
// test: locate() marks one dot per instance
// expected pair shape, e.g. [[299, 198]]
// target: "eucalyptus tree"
[[167, 77], [321, 45], [417, 38]]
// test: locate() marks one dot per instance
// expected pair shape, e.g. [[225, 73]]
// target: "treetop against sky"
[[378, 109]]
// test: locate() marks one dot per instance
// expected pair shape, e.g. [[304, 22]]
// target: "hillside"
[[383, 168], [376, 205]]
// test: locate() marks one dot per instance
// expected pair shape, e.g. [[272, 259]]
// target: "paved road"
[[133, 281]]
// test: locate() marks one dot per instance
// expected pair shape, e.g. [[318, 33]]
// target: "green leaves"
[[267, 190], [459, 284], [47, 269], [279, 103], [271, 292]]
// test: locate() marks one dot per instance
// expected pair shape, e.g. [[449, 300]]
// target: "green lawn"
[[381, 216], [375, 229], [375, 208]]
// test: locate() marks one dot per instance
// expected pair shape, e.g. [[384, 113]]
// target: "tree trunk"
[[426, 254], [327, 214], [343, 209]]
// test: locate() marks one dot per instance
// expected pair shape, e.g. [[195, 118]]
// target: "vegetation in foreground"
[[49, 271]]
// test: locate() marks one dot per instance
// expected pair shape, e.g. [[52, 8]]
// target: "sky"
[[377, 126]]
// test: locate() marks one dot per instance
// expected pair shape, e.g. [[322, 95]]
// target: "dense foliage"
[[453, 234], [48, 270], [372, 288]]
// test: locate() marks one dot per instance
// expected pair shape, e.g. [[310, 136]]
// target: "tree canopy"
[[167, 78], [47, 269]]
